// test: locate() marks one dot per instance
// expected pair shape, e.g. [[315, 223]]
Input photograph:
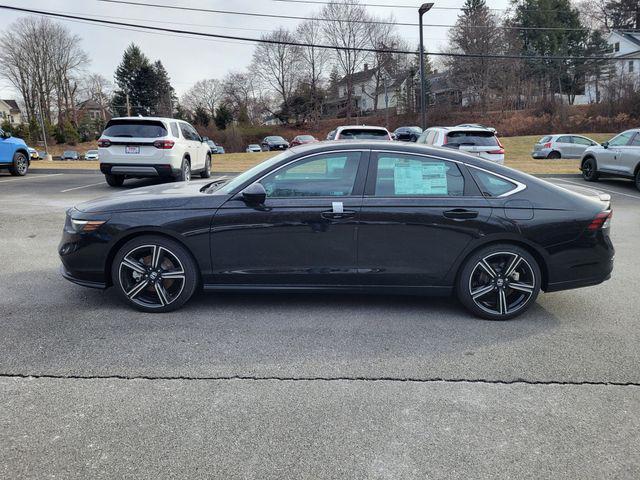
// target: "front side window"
[[621, 139], [409, 175], [328, 175], [491, 185], [186, 134]]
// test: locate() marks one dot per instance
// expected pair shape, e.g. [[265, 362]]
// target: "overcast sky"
[[190, 59]]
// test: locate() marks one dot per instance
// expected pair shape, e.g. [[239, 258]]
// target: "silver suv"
[[619, 157]]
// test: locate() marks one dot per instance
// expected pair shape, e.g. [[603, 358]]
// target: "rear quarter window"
[[135, 129], [174, 130], [491, 185], [545, 139]]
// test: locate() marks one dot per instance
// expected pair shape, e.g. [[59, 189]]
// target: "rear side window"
[[565, 139], [185, 131], [135, 129], [174, 130], [477, 139], [491, 185], [409, 175], [363, 134], [581, 141]]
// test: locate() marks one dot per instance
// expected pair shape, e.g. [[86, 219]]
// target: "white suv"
[[136, 147], [477, 140], [359, 132]]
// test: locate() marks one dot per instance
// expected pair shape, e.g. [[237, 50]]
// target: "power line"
[[308, 45], [294, 17]]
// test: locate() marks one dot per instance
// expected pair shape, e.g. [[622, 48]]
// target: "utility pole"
[[44, 133], [423, 102], [128, 105]]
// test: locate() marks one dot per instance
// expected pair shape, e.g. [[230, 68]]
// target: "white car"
[[359, 132], [476, 140], [253, 148], [91, 155], [138, 147]]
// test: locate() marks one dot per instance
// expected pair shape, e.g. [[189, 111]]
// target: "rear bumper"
[[539, 154], [138, 170]]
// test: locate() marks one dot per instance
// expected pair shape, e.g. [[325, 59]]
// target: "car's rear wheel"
[[554, 155], [154, 274], [20, 165], [114, 180], [638, 179], [499, 282], [206, 173], [185, 171], [590, 170]]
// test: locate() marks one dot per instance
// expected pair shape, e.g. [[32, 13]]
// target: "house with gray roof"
[[10, 112]]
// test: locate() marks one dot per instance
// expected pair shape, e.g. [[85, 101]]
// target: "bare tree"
[[241, 95], [43, 60], [275, 65], [382, 36], [97, 88], [313, 60], [205, 94], [345, 31]]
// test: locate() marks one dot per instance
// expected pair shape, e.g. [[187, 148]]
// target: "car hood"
[[166, 196]]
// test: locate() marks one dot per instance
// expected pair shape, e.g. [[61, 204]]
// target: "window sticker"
[[415, 177]]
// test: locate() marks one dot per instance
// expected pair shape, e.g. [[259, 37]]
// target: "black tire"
[[555, 155], [590, 169], [20, 165], [114, 180], [638, 178], [206, 173], [159, 275], [185, 171], [485, 295]]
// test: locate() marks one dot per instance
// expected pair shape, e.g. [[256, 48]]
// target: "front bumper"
[[85, 283], [138, 170]]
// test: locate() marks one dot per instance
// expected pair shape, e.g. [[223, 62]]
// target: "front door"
[[629, 155], [6, 149], [306, 231], [610, 157], [418, 215]]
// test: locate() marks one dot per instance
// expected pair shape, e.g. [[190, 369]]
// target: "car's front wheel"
[[589, 170], [638, 179], [499, 282], [206, 173], [154, 274], [20, 165], [114, 180]]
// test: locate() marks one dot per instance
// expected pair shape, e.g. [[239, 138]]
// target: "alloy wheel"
[[151, 276], [502, 283], [21, 165]]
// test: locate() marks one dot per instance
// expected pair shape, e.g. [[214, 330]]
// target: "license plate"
[[132, 150]]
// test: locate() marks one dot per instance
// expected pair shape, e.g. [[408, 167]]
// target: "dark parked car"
[[70, 155], [303, 140], [355, 216], [407, 134], [274, 143]]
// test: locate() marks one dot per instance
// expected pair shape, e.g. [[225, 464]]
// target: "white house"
[[624, 46], [9, 111]]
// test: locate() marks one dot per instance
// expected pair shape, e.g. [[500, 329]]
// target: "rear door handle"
[[460, 214]]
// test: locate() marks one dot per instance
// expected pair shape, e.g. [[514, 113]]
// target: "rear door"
[[564, 145], [418, 214], [580, 144]]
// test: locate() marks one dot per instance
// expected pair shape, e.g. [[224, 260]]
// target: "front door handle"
[[460, 214], [330, 214]]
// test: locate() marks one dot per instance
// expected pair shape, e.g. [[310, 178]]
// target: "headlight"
[[86, 225]]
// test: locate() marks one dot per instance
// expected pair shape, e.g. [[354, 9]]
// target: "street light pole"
[[424, 8]]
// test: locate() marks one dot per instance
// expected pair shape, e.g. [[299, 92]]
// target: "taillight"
[[164, 144], [497, 152], [601, 220], [104, 143], [547, 145]]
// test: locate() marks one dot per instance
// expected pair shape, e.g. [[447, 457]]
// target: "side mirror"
[[254, 194], [605, 144]]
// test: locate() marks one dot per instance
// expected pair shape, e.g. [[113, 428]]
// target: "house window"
[[616, 47], [362, 88], [630, 66]]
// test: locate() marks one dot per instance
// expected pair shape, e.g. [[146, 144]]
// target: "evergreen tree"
[[201, 117], [223, 117]]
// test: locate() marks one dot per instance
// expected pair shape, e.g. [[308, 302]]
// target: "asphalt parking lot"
[[308, 386]]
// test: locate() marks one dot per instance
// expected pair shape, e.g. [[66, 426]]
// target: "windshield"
[[243, 177], [305, 138], [135, 129], [275, 139], [479, 139], [362, 134], [92, 152], [69, 153]]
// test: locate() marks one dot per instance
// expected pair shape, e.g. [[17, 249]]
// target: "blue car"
[[14, 154]]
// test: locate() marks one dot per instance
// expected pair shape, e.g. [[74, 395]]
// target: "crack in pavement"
[[515, 381]]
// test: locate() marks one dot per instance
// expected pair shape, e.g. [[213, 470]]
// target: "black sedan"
[[274, 143], [356, 216], [407, 134]]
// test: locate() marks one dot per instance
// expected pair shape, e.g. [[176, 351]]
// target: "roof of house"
[[633, 37], [358, 77], [90, 105], [13, 105]]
